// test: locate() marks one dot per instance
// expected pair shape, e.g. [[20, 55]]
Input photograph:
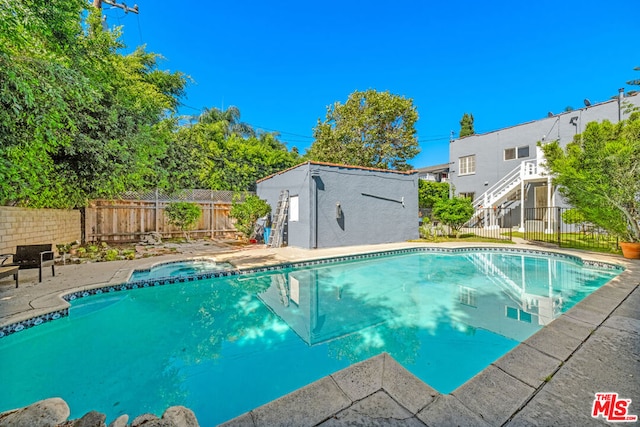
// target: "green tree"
[[430, 192], [599, 174], [372, 129], [228, 160], [454, 212], [574, 216], [246, 212], [634, 82], [230, 118], [76, 117], [466, 125], [184, 215]]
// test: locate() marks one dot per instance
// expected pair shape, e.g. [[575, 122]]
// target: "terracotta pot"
[[630, 250]]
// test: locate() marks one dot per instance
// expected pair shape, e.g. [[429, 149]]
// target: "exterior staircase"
[[501, 191]]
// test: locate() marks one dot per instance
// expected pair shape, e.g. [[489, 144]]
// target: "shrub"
[[247, 212], [184, 215], [454, 212], [111, 255]]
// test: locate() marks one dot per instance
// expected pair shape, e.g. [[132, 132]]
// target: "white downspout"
[[521, 229], [550, 209]]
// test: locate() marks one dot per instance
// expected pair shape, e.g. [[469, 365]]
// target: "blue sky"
[[283, 62]]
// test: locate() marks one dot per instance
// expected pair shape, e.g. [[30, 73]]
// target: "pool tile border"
[[163, 281]]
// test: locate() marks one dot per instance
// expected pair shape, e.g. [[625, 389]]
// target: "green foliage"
[[184, 215], [76, 116], [430, 192], [431, 232], [372, 129], [599, 174], [573, 216], [246, 212], [466, 125], [222, 159], [634, 82], [454, 212]]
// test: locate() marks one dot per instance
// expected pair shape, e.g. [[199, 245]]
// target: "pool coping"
[[392, 388]]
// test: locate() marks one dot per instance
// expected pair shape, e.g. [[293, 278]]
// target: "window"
[[509, 153], [294, 214], [468, 195], [467, 165], [467, 296], [517, 314], [516, 153], [523, 152]]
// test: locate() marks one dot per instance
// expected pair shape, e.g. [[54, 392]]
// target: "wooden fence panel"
[[128, 220]]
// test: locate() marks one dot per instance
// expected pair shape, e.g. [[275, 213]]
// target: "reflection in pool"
[[224, 346]]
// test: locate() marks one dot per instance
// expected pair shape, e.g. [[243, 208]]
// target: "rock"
[[45, 413], [180, 416], [140, 420], [91, 419], [121, 421], [152, 239], [156, 422]]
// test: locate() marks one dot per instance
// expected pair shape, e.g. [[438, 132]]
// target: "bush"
[[184, 215], [454, 212], [247, 212], [111, 255]]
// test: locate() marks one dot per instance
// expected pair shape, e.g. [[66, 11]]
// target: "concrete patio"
[[550, 379]]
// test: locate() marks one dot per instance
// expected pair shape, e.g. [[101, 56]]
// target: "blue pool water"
[[179, 268], [226, 345]]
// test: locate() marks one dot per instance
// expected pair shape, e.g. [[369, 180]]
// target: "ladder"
[[275, 239]]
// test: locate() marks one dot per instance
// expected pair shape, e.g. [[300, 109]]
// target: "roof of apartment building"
[[587, 106]]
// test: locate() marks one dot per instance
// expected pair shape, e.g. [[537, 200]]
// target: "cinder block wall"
[[23, 226]]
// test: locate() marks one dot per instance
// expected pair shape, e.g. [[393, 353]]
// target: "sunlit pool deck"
[[550, 379]]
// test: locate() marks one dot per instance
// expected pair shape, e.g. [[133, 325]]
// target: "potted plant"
[[599, 175]]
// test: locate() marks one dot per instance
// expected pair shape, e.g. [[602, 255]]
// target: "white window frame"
[[294, 209], [467, 165]]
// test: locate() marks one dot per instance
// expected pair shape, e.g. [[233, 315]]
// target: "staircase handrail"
[[524, 169]]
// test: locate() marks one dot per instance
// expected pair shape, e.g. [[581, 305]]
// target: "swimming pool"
[[180, 268], [226, 345]]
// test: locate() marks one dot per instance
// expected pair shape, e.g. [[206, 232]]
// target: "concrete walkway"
[[550, 379]]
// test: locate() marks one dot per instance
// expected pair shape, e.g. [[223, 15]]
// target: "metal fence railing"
[[549, 225], [486, 223]]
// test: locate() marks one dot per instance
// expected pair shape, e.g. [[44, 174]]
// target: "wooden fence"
[[133, 215]]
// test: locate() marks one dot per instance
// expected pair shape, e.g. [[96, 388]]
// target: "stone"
[[121, 421], [446, 410], [362, 379], [152, 239], [528, 365], [307, 406], [404, 387], [180, 417], [379, 409], [481, 393], [142, 419], [45, 413], [91, 419]]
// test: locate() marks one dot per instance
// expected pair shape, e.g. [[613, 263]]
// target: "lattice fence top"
[[189, 195]]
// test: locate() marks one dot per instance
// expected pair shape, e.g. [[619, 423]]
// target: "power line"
[[98, 5]]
